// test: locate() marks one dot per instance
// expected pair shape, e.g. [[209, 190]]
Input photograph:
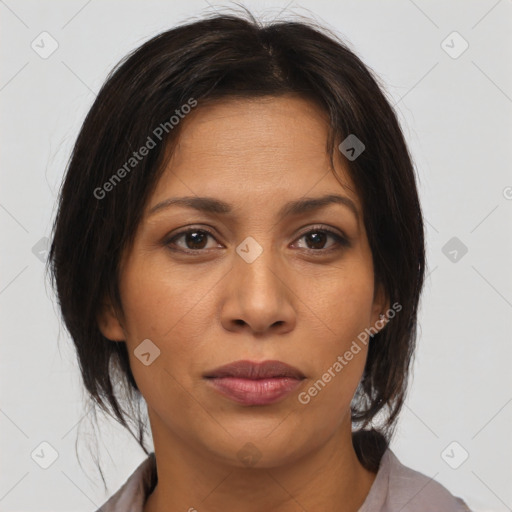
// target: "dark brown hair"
[[215, 58]]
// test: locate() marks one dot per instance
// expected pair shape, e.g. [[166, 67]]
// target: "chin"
[[267, 447]]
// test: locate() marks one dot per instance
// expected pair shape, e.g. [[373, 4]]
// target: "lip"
[[252, 383]]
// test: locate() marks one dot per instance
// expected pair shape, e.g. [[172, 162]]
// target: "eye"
[[195, 240], [316, 239]]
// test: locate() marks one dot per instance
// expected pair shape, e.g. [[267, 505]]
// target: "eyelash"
[[341, 241]]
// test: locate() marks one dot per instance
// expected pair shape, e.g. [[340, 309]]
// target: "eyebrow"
[[216, 206]]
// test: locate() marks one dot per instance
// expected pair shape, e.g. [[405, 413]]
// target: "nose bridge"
[[259, 299], [256, 264]]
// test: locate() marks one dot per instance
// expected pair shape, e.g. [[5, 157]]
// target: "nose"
[[258, 298]]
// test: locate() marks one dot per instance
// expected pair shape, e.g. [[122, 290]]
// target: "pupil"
[[317, 238], [195, 242]]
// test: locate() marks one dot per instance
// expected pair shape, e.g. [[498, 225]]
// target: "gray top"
[[396, 488]]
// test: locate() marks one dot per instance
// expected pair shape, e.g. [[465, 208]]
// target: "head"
[[252, 117]]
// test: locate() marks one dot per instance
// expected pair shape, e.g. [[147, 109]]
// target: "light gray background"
[[456, 115]]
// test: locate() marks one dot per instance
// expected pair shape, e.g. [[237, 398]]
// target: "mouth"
[[251, 383]]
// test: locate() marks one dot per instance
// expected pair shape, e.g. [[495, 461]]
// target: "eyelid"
[[322, 227], [341, 239], [189, 229]]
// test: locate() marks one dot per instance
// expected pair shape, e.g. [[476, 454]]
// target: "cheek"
[[330, 389], [176, 306], [343, 299], [158, 299], [161, 306], [170, 307], [344, 303]]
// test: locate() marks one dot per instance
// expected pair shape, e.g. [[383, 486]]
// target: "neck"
[[328, 478]]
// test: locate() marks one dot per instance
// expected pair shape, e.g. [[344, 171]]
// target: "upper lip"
[[253, 370]]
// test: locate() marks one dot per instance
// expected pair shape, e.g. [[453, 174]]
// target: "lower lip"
[[255, 392]]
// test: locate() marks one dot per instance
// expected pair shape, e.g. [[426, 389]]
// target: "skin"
[[301, 307]]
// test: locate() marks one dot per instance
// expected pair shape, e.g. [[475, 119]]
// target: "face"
[[255, 283]]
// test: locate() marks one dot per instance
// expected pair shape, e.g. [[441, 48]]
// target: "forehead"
[[254, 129], [265, 148]]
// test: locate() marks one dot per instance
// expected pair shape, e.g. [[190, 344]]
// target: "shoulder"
[[398, 487], [133, 494]]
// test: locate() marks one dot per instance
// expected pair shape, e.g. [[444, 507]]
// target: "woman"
[[239, 244]]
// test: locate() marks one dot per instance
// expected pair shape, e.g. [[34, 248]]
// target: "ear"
[[109, 324], [380, 306]]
